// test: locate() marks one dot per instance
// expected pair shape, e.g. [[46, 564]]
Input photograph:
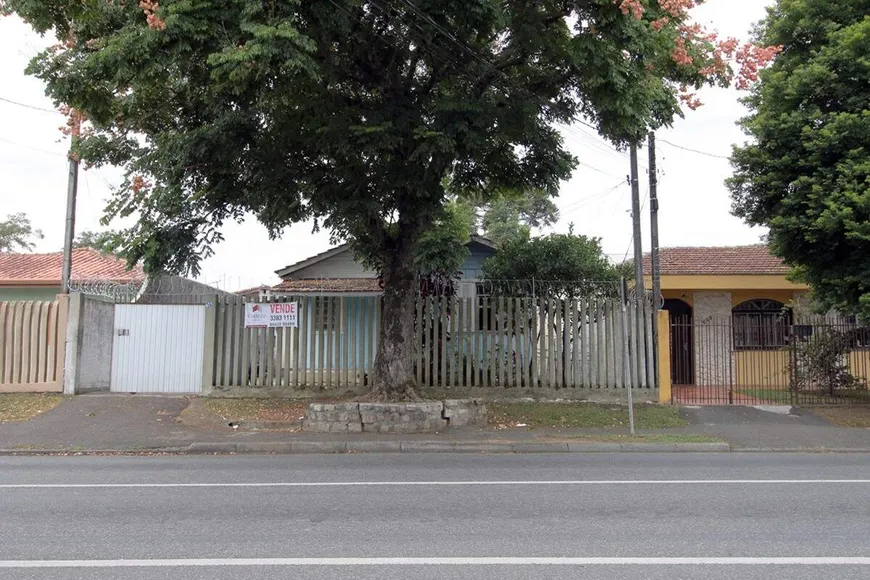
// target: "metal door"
[[158, 348], [682, 342]]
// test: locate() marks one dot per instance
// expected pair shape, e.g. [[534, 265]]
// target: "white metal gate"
[[158, 348]]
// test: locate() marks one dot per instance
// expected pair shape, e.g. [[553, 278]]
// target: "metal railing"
[[769, 360]]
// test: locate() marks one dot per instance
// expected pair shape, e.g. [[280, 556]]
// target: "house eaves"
[[287, 270]]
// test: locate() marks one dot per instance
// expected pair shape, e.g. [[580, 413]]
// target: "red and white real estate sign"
[[272, 315]]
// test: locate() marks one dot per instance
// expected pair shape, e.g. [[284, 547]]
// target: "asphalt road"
[[665, 516]]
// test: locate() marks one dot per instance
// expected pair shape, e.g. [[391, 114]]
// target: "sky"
[[694, 203]]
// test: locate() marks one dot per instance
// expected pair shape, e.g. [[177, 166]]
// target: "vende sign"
[[274, 315]]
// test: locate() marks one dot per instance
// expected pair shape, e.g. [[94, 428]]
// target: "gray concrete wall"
[[177, 290], [96, 333]]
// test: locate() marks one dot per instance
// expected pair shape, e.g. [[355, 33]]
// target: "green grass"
[[772, 395], [582, 415], [857, 417], [655, 438], [784, 396], [26, 406]]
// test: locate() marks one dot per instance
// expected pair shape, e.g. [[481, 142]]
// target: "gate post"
[[69, 323], [664, 355], [208, 343]]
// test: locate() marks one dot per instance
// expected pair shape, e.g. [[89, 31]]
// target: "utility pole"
[[635, 219], [654, 223], [654, 249], [626, 353], [70, 230]]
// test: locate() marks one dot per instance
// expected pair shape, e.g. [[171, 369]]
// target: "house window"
[[857, 333], [484, 307], [761, 325], [324, 316]]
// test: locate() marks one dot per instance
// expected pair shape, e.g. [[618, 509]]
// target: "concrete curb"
[[332, 447], [295, 447]]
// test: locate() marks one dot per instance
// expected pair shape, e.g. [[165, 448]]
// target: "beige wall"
[[712, 333]]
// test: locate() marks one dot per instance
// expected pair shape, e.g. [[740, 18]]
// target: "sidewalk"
[[142, 424]]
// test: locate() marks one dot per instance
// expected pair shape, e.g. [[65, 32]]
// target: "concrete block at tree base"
[[464, 412], [332, 418], [402, 417], [425, 417]]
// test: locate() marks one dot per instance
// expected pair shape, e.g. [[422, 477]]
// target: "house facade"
[[733, 316], [38, 276], [336, 272]]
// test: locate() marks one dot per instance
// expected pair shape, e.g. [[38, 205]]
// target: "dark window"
[[761, 324], [321, 320], [484, 307], [857, 333]]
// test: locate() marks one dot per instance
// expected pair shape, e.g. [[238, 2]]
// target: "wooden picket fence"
[[459, 342], [32, 343], [333, 346], [523, 342]]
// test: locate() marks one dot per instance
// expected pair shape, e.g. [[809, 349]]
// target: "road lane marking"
[[580, 482], [299, 562]]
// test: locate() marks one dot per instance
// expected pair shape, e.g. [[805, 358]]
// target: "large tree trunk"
[[394, 366]]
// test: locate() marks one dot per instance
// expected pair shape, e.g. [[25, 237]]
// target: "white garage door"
[[158, 348]]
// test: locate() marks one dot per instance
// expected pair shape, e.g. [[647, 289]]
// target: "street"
[[596, 516]]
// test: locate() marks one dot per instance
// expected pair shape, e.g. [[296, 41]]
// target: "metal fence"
[[768, 359], [475, 341]]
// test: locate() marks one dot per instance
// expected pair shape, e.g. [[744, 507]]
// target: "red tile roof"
[[721, 261], [330, 285], [45, 269], [252, 291]]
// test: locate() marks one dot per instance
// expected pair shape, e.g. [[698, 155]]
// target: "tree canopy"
[[806, 171], [559, 265], [18, 234], [353, 112], [97, 240], [513, 215]]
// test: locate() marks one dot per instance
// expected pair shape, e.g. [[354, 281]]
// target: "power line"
[[31, 148], [694, 150], [26, 106], [574, 206], [631, 241]]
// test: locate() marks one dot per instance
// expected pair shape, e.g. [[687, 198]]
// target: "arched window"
[[761, 324]]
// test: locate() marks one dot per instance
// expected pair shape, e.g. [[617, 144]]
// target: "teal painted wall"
[[11, 294]]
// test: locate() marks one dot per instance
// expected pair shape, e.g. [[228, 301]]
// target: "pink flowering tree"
[[355, 113]]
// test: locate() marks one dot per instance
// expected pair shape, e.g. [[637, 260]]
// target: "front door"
[[682, 342]]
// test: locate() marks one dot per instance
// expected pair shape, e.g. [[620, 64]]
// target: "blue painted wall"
[[474, 262]]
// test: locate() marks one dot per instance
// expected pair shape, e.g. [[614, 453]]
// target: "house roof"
[[45, 269], [326, 285], [252, 291], [287, 270], [717, 261]]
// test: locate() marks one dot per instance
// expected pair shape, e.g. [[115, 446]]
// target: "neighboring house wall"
[[472, 269], [13, 293], [341, 265], [176, 290]]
